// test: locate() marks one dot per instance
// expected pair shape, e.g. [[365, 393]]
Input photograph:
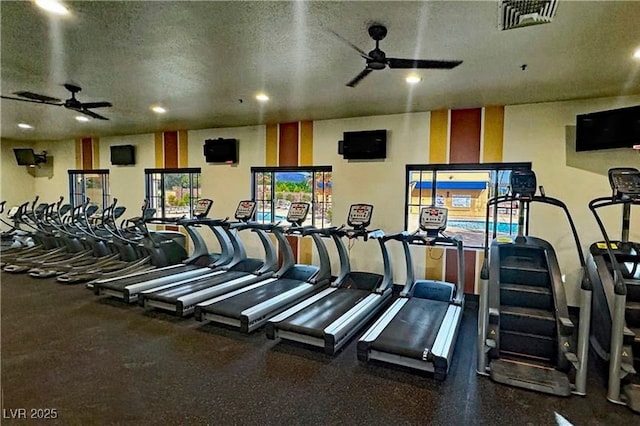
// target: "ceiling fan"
[[377, 59], [71, 103]]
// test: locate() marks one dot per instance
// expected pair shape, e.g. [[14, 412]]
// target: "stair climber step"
[[526, 296], [527, 376], [527, 320], [633, 290], [632, 314], [523, 256], [526, 276], [532, 346]]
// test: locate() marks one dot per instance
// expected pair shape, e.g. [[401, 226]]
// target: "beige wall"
[[56, 184], [544, 134]]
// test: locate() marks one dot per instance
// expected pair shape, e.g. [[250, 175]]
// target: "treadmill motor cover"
[[434, 290]]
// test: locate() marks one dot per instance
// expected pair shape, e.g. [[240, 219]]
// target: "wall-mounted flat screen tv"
[[618, 128], [364, 145], [221, 151], [123, 155], [25, 156]]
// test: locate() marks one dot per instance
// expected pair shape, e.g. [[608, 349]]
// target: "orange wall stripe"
[[271, 157], [438, 130], [87, 154], [96, 152], [306, 143], [493, 134], [451, 274], [183, 148], [288, 144], [170, 140], [159, 148], [78, 153], [433, 263], [464, 145]]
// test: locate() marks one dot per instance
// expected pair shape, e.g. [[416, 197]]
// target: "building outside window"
[[89, 184], [275, 188], [173, 192], [464, 190]]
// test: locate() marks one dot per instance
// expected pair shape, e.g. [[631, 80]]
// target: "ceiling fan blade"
[[89, 113], [365, 72], [37, 97], [421, 63], [30, 100], [96, 104], [362, 53]]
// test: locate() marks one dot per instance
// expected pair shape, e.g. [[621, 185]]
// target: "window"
[[89, 184], [274, 188], [172, 192], [464, 189]]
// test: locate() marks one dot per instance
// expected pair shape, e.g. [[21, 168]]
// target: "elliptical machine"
[[614, 269], [525, 336]]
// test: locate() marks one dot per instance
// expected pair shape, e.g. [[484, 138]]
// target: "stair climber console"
[[614, 270], [525, 336], [420, 328]]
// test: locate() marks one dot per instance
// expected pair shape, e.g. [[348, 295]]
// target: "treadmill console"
[[433, 219], [360, 215], [245, 210], [625, 182], [202, 207], [298, 212], [523, 183]]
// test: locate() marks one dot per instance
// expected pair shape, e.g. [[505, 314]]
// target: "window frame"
[[434, 169], [148, 182], [75, 173], [284, 169]]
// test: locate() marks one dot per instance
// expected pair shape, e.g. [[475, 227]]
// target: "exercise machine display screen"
[[625, 181], [433, 218], [360, 215], [523, 183], [202, 207], [245, 210], [298, 212]]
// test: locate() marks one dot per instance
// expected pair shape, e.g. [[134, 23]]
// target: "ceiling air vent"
[[523, 13]]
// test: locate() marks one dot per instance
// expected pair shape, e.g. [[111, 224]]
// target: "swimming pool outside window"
[[464, 190], [275, 188]]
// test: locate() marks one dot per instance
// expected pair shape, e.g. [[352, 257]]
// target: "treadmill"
[[199, 263], [182, 297], [250, 307], [525, 335], [330, 318], [419, 330], [614, 270]]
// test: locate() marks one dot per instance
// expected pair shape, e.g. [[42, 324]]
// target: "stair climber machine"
[[525, 336], [183, 296], [419, 330], [129, 286], [118, 250], [250, 307], [614, 270], [331, 317], [60, 249]]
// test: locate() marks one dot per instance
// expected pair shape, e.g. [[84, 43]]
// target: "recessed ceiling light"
[[25, 126], [262, 97], [82, 118], [53, 6], [413, 79], [636, 54], [158, 109]]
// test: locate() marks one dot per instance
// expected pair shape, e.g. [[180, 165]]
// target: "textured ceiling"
[[200, 59]]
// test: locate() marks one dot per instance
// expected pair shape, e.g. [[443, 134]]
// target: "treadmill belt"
[[233, 306], [313, 319], [171, 295], [413, 329], [122, 283]]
